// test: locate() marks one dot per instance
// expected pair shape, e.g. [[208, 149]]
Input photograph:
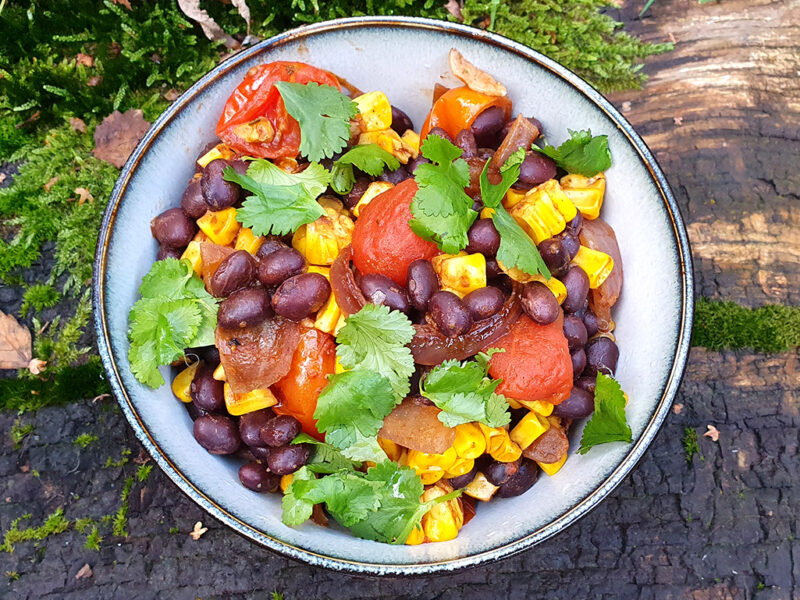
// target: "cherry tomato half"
[[458, 108]]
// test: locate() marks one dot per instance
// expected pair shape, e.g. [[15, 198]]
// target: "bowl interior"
[[405, 61]]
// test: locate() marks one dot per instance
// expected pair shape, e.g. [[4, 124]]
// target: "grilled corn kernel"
[[509, 452], [200, 236], [544, 212], [321, 241], [338, 368], [495, 437], [181, 385], [416, 537], [240, 404], [286, 481], [192, 254], [486, 212], [513, 403], [529, 429], [430, 477], [221, 226], [462, 466], [480, 488], [247, 241], [258, 130], [598, 265], [553, 468], [389, 140], [586, 193], [469, 442], [392, 450], [411, 138], [544, 409], [375, 112], [443, 520], [513, 197], [553, 284], [374, 188], [461, 273], [218, 151], [431, 467], [329, 316], [219, 373]]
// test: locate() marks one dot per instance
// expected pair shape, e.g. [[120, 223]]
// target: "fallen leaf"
[[677, 120], [191, 8], [15, 343], [672, 38], [100, 397], [2, 177], [47, 186], [244, 12], [84, 572], [626, 106], [32, 119], [114, 49], [454, 8], [25, 468], [171, 95], [84, 195], [142, 457], [712, 433], [36, 366], [84, 59], [473, 77], [156, 58], [77, 124], [94, 81], [117, 136], [677, 408], [125, 3], [198, 531]]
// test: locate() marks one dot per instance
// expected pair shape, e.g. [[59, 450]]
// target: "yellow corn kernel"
[[443, 521], [598, 265], [554, 285], [375, 188], [286, 481], [338, 368], [416, 537], [411, 138], [586, 193], [393, 451], [182, 383], [529, 429], [258, 130], [480, 488], [339, 324], [430, 477], [553, 468], [221, 226], [431, 467], [192, 254], [375, 112], [329, 316], [321, 241], [544, 211], [200, 237], [545, 409], [218, 151], [247, 241], [389, 140], [513, 197], [495, 438], [469, 441], [461, 273], [513, 403], [462, 466], [219, 373], [240, 404], [508, 452], [486, 212]]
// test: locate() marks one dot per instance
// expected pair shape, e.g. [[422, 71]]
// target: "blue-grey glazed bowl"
[[405, 57]]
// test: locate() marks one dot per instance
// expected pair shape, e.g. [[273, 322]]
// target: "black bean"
[[497, 473], [493, 270], [396, 176], [244, 308], [576, 224], [192, 202], [487, 126], [441, 133], [575, 332], [578, 362], [483, 238], [250, 425], [236, 271], [280, 430], [412, 165], [555, 256], [581, 312], [217, 433], [217, 192], [352, 197], [535, 169], [466, 141], [463, 480], [270, 245], [422, 283], [255, 477], [165, 252], [602, 355], [539, 303], [379, 289], [206, 391], [280, 264], [586, 382], [571, 242], [578, 405], [401, 122], [521, 481], [195, 412], [208, 147], [300, 296], [287, 459], [208, 354], [261, 454], [449, 313], [591, 324], [240, 166], [577, 283], [173, 228], [484, 302]]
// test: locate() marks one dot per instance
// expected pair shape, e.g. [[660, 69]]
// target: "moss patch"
[[726, 325], [691, 445], [54, 524]]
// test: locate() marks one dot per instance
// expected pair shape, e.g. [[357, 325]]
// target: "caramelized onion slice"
[[212, 255], [521, 135], [598, 235], [345, 289], [415, 425]]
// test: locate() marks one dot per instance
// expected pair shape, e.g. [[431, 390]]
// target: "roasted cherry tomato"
[[456, 109], [312, 362], [382, 240], [254, 120], [536, 364]]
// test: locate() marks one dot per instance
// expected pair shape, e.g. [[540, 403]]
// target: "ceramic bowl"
[[405, 57]]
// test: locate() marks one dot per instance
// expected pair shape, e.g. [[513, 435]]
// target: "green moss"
[[726, 325], [121, 462], [276, 596], [54, 524], [38, 297], [84, 440], [121, 517], [143, 472], [12, 575], [174, 529], [93, 540], [690, 445], [19, 432], [82, 524]]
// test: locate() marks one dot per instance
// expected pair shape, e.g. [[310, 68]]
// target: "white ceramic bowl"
[[405, 58]]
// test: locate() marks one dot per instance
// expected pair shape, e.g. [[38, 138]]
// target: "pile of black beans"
[[511, 478]]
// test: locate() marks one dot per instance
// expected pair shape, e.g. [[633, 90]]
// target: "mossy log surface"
[[722, 114]]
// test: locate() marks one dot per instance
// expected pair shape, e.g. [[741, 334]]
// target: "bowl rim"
[[425, 568]]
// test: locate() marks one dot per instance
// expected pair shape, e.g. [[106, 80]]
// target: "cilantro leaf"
[[442, 210], [465, 393], [375, 339], [323, 113], [581, 154], [608, 422], [295, 508], [315, 178], [492, 195], [324, 458], [369, 158], [350, 410]]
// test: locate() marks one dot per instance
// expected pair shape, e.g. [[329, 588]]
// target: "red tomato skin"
[[382, 239], [312, 362], [536, 364]]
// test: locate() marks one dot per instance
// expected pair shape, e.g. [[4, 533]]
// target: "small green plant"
[[12, 575], [276, 596], [82, 524], [93, 540], [84, 440], [121, 516], [54, 524], [19, 432], [174, 529], [690, 445], [39, 296], [143, 472], [726, 325], [121, 462]]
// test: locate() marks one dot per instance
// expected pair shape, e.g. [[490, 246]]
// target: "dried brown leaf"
[[142, 457], [84, 195], [84, 59], [117, 136], [32, 119], [198, 531], [454, 8], [125, 3], [84, 572], [473, 77], [244, 12], [94, 81], [191, 8], [2, 177], [51, 182], [37, 366], [712, 433], [677, 408], [171, 95], [15, 343], [77, 124]]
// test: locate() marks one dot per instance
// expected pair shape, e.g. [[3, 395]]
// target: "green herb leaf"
[[315, 178], [325, 458], [492, 195], [323, 113], [608, 422], [375, 339], [370, 158], [442, 209], [465, 393], [582, 153]]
